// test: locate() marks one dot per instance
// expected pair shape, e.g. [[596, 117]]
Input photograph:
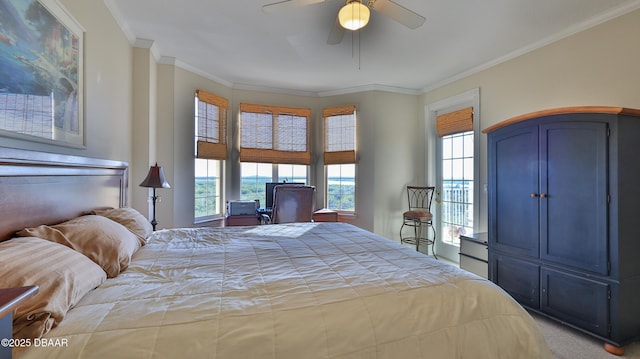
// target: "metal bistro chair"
[[419, 217]]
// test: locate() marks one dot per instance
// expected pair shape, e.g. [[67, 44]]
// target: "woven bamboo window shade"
[[339, 135], [455, 122], [211, 126], [272, 134]]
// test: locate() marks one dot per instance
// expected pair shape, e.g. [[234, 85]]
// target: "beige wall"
[[176, 138], [386, 134], [395, 158], [599, 66], [140, 111], [107, 87], [144, 127], [108, 90]]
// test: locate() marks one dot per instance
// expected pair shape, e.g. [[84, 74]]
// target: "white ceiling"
[[236, 43]]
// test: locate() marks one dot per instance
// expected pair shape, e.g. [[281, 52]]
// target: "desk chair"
[[419, 217], [293, 203]]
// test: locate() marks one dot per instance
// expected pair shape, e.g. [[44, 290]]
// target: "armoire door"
[[513, 179], [576, 300], [573, 194], [520, 278]]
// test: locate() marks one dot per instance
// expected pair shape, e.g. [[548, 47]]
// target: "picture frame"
[[41, 73]]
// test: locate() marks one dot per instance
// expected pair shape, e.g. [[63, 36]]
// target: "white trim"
[[167, 60], [597, 20], [143, 43], [606, 16], [372, 87], [471, 95], [120, 20], [149, 45], [432, 141], [249, 87]]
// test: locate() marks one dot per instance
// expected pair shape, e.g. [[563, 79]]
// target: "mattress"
[[300, 290]]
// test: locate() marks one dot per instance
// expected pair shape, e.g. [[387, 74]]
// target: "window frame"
[[275, 177], [210, 147], [273, 148], [339, 152], [441, 178], [219, 190], [326, 197], [433, 158]]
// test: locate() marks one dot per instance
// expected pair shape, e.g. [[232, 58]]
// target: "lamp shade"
[[155, 178], [354, 15]]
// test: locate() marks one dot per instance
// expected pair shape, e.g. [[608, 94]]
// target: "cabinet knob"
[[544, 195], [534, 195]]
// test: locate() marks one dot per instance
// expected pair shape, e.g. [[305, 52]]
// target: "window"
[[457, 174], [253, 177], [208, 188], [274, 147], [340, 157], [457, 186], [271, 134], [211, 151], [341, 187], [292, 173]]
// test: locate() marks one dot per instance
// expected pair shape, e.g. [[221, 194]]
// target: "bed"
[[300, 290]]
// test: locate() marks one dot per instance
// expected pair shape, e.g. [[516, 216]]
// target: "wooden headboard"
[[45, 188]]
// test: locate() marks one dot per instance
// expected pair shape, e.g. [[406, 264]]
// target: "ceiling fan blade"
[[286, 4], [399, 13], [336, 34]]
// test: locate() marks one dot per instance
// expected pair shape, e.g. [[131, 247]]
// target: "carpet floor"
[[568, 343]]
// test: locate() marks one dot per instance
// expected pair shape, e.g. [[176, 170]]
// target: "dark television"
[[269, 186]]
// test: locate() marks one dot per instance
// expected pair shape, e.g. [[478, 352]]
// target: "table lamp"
[[155, 179]]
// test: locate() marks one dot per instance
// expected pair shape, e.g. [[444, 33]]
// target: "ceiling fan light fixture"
[[354, 15]]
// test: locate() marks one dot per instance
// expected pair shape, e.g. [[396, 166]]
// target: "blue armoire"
[[564, 216]]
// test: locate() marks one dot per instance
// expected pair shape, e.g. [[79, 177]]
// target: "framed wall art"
[[41, 73]]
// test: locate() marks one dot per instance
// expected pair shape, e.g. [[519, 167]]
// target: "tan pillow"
[[130, 218], [63, 276], [107, 243]]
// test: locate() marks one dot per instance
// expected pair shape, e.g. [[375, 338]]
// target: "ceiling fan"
[[355, 14]]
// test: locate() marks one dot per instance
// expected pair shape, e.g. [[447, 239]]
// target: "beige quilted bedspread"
[[304, 290]]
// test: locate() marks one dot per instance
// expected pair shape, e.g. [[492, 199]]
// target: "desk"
[[242, 220], [321, 215]]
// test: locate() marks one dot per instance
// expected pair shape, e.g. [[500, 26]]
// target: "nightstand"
[[9, 300], [474, 255]]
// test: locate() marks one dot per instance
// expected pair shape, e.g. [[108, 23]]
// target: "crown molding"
[[117, 16], [371, 87], [168, 60], [250, 87], [597, 20], [149, 44]]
